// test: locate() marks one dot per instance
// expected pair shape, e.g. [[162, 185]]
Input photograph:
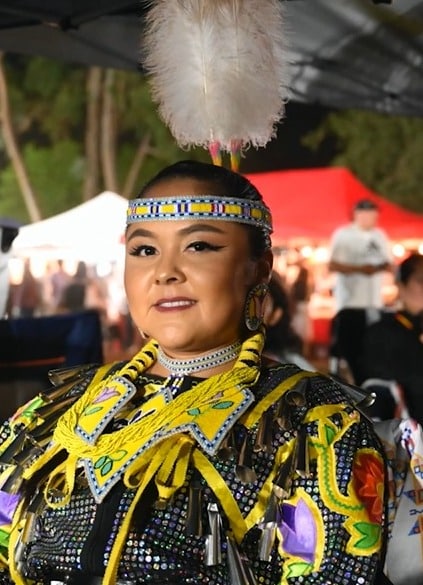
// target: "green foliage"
[[55, 175], [384, 151], [48, 108], [46, 97]]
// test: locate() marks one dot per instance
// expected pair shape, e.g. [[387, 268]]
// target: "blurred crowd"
[[62, 290]]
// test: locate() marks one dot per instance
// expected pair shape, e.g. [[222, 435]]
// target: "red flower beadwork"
[[368, 476]]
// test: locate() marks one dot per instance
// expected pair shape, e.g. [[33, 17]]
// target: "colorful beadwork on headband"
[[201, 207]]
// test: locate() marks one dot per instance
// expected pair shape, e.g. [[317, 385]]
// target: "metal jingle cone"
[[36, 502], [227, 448], [244, 469], [29, 454], [283, 480], [267, 541], [264, 435], [43, 431], [239, 569], [58, 390], [296, 396], [283, 415], [268, 526], [213, 550], [14, 481], [44, 411], [302, 464], [193, 523], [65, 375], [272, 509], [15, 447]]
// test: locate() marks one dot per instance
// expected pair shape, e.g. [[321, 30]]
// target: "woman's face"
[[411, 293], [187, 280]]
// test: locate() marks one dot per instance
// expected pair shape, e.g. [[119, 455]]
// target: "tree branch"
[[13, 151]]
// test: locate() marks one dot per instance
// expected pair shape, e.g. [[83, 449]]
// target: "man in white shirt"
[[359, 254]]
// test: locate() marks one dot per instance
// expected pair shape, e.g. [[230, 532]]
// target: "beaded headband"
[[254, 213]]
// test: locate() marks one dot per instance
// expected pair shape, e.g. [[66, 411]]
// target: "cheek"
[[135, 287], [234, 281], [416, 291]]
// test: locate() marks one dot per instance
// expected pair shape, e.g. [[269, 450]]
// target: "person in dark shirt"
[[393, 347]]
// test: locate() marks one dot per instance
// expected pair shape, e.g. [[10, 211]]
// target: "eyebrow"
[[191, 229]]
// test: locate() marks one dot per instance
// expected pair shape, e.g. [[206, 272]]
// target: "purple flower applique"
[[8, 503], [298, 529], [105, 395]]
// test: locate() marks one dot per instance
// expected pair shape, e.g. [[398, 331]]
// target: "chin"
[[175, 342]]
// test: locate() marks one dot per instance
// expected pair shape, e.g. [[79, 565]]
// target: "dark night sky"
[[286, 150]]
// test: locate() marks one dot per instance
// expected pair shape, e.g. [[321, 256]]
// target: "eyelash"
[[199, 246], [204, 246], [136, 251]]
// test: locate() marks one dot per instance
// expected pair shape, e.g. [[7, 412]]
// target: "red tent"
[[309, 204]]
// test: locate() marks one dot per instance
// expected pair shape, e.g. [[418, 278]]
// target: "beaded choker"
[[205, 362]]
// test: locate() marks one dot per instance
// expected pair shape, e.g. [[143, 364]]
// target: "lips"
[[175, 304]]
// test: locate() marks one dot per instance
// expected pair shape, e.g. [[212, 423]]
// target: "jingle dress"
[[275, 478]]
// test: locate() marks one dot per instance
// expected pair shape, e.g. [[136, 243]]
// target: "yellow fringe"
[[250, 419], [171, 475], [15, 533], [110, 574], [222, 492]]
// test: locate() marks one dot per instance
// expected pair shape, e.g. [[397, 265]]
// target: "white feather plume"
[[217, 69]]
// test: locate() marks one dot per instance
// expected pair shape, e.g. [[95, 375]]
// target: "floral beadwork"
[[301, 533], [363, 502]]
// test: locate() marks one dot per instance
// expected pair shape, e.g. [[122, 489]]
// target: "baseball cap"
[[365, 204]]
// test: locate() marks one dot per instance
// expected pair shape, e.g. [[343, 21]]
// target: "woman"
[[282, 342], [393, 346], [197, 461], [301, 291]]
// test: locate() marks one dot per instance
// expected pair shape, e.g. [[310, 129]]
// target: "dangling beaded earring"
[[253, 313]]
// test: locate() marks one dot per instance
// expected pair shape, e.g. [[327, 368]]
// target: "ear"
[[264, 267]]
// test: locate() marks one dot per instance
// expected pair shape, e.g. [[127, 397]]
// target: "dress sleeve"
[[25, 433]]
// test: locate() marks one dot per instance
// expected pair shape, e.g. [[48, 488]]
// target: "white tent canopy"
[[92, 231]]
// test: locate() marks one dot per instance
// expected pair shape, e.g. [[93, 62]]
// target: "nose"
[[168, 270]]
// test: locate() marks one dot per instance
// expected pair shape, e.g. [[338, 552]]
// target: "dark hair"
[[281, 336], [366, 204], [219, 181], [81, 271], [408, 267]]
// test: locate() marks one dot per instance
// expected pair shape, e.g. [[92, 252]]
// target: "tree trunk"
[[133, 173], [91, 185], [108, 134], [13, 151]]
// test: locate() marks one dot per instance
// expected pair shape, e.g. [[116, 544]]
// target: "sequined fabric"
[[77, 539]]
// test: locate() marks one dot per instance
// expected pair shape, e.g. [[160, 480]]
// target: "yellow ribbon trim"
[[257, 512], [110, 574], [15, 534], [222, 492], [172, 473], [256, 412]]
